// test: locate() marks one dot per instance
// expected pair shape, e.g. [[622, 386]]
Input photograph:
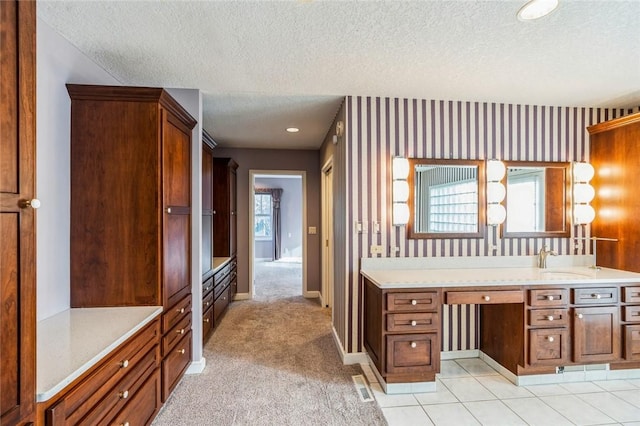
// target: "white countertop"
[[74, 340], [415, 278], [219, 262]]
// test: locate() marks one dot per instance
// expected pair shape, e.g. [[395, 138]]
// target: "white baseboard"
[[242, 296], [197, 367], [470, 353], [311, 294], [348, 358]]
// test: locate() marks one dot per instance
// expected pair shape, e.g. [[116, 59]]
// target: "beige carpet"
[[272, 361]]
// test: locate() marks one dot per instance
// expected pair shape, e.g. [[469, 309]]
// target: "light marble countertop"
[[71, 342], [218, 262], [494, 276]]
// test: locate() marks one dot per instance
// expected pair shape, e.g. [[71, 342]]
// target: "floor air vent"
[[362, 388]]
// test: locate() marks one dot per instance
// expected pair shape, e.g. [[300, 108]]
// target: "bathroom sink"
[[562, 275]]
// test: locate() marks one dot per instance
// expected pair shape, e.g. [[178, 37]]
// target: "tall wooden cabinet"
[[225, 218], [17, 216], [131, 209], [207, 235]]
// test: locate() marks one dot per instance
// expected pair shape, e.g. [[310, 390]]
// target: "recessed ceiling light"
[[293, 129], [535, 9]]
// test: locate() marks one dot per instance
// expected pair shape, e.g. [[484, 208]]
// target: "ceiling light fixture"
[[293, 129], [535, 9]]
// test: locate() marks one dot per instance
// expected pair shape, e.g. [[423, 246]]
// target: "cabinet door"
[[596, 334], [17, 221], [233, 225], [176, 186], [413, 353], [548, 346]]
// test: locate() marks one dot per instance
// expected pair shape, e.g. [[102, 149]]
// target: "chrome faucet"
[[542, 256]]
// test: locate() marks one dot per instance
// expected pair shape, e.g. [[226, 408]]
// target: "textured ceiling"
[[263, 66]]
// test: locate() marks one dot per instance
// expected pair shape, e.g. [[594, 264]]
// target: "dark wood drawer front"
[[222, 286], [548, 298], [176, 333], [207, 322], [632, 342], [222, 273], [175, 313], [631, 313], [144, 405], [484, 297], [631, 294], [412, 353], [220, 305], [413, 322], [174, 365], [207, 302], [207, 286], [549, 346], [595, 296], [548, 317], [412, 301]]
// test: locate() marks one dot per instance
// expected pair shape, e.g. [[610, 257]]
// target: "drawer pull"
[[181, 331], [124, 424], [413, 323], [123, 395], [579, 316], [208, 303], [169, 210], [550, 338], [414, 302], [181, 351], [414, 344], [550, 317], [124, 364], [486, 298], [550, 298], [180, 311], [596, 296], [206, 320]]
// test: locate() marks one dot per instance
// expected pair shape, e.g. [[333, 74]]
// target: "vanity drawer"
[[412, 353], [595, 296], [548, 346], [175, 334], [484, 297], [207, 322], [207, 286], [632, 342], [548, 317], [415, 322], [175, 313], [631, 313], [220, 305], [427, 301], [207, 302], [144, 405], [174, 364], [631, 294], [547, 298]]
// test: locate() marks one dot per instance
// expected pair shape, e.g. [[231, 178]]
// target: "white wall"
[[58, 63]]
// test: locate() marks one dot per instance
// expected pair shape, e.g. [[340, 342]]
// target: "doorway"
[[327, 233], [277, 222]]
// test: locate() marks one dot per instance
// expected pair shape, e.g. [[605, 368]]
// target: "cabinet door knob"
[[181, 331], [181, 310], [33, 203], [414, 302], [550, 338], [550, 317], [414, 344], [579, 316], [413, 323], [550, 298], [124, 424], [124, 364], [486, 298], [206, 320], [169, 210], [124, 394], [181, 351]]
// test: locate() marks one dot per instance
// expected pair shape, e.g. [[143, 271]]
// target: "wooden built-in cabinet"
[[225, 215], [131, 209], [17, 217]]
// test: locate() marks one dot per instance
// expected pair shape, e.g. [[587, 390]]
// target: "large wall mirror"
[[538, 199], [446, 198]]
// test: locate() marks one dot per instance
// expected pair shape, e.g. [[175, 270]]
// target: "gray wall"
[[291, 215], [271, 160]]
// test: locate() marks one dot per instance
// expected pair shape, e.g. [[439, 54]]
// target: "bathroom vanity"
[[533, 321]]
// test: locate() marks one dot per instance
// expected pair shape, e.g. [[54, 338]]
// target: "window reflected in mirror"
[[537, 199], [446, 199]]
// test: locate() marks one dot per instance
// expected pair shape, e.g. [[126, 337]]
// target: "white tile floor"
[[469, 392]]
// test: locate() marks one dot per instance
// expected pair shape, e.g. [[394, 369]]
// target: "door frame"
[[327, 242], [275, 173]]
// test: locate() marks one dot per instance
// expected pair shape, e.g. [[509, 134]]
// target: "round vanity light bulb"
[[400, 191], [583, 193], [582, 172], [536, 9], [400, 213], [496, 214], [495, 170], [583, 214], [400, 168], [495, 192]]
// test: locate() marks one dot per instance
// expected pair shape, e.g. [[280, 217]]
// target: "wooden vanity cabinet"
[[548, 327], [402, 333], [631, 321], [225, 215], [17, 220], [131, 205]]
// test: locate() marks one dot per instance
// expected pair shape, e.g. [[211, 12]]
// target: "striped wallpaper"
[[378, 129]]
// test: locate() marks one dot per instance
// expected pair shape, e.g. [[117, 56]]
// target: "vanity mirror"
[[446, 198], [538, 199]]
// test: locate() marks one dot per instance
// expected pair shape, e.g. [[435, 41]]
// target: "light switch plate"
[[313, 230]]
